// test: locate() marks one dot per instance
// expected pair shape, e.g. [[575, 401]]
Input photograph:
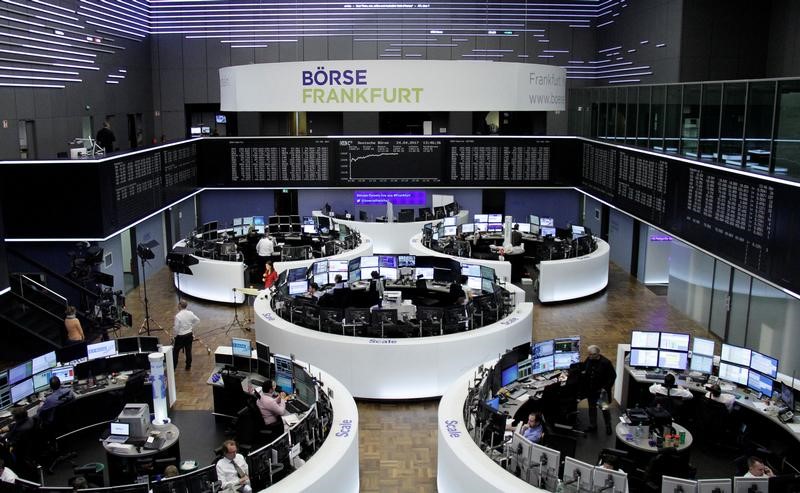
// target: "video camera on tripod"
[[109, 309]]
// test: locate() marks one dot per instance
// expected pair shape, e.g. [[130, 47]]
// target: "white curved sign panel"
[[392, 85]]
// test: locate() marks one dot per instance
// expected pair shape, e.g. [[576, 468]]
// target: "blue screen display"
[[509, 375]]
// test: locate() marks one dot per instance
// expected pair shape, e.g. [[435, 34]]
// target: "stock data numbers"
[[477, 161], [599, 170], [279, 160], [389, 161], [138, 185]]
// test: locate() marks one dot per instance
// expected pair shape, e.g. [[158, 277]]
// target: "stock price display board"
[[279, 161], [180, 170], [494, 161], [746, 220], [137, 186], [389, 160]]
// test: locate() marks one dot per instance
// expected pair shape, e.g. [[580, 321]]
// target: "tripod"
[[145, 327], [237, 323]]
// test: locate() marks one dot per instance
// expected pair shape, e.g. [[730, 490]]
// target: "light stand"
[[144, 252], [236, 323], [92, 149]]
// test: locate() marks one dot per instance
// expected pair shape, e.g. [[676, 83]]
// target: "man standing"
[[599, 376], [105, 138], [185, 321], [265, 249], [232, 469]]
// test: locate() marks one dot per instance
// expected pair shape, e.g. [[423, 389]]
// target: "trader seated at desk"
[[533, 430], [669, 388], [757, 469], [232, 469], [715, 394], [57, 396], [272, 408]]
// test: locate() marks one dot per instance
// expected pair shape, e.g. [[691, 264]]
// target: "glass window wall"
[[709, 122], [732, 128], [657, 118], [690, 120], [672, 119], [787, 134], [758, 126]]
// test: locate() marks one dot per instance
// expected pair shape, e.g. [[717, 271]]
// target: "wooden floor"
[[398, 439]]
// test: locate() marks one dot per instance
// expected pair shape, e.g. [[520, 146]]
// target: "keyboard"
[[518, 393], [655, 376], [296, 406]]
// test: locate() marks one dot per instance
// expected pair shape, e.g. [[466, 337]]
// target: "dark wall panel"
[[224, 205], [562, 205]]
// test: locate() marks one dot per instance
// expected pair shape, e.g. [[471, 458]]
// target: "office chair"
[[331, 320], [714, 424], [55, 422], [667, 463], [456, 319], [235, 397], [430, 320]]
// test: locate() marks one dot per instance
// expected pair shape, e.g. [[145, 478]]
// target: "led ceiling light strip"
[[115, 14], [32, 77]]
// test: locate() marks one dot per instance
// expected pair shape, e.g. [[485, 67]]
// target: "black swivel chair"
[[456, 319], [431, 320], [54, 423], [667, 463], [235, 396], [331, 320]]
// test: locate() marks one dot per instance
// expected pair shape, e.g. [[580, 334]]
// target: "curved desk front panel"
[[362, 250], [212, 280], [572, 278], [501, 268], [391, 237], [394, 368], [334, 466], [462, 466]]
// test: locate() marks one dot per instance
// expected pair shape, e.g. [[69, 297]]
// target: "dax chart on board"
[[390, 160]]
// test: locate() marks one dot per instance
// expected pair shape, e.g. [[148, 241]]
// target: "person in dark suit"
[[598, 376], [105, 138], [516, 236]]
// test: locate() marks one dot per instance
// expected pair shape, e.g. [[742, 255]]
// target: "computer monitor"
[[148, 344], [644, 358], [297, 274], [547, 231], [424, 273], [542, 348], [524, 227], [337, 265], [101, 349], [609, 480], [481, 226], [471, 270], [533, 219], [703, 346], [570, 344], [450, 230], [509, 375], [750, 485], [450, 221], [760, 383], [389, 273], [677, 485], [309, 229], [474, 283], [43, 362], [542, 365], [701, 363], [672, 360], [733, 373], [735, 354], [787, 395], [468, 228], [578, 231], [545, 221], [346, 276], [645, 339], [481, 218], [714, 486], [520, 451], [20, 372], [674, 342], [406, 260], [298, 287], [320, 267], [240, 347], [258, 220], [486, 285], [562, 361], [369, 262], [22, 390], [495, 218], [128, 345], [762, 364], [577, 474], [284, 374], [487, 272], [41, 380], [64, 373]]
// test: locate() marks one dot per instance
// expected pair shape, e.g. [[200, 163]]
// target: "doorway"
[[27, 139], [286, 202], [730, 303], [130, 269]]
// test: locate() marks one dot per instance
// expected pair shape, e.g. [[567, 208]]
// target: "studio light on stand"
[[145, 252]]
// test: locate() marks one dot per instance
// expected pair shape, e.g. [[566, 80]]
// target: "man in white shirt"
[[185, 321], [232, 469], [715, 394], [670, 389], [757, 469], [265, 249], [6, 474]]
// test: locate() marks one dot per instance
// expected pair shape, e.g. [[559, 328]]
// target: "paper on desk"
[[761, 406], [795, 427]]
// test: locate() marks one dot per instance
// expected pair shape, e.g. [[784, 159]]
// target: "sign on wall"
[[392, 85]]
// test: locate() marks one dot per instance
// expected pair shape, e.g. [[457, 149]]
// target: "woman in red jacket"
[[270, 276]]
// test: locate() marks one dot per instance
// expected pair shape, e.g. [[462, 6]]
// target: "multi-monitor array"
[[494, 223], [667, 350], [390, 268], [23, 380], [543, 356]]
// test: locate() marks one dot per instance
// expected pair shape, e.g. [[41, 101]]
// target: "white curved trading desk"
[[501, 268], [362, 250], [462, 466], [334, 466], [212, 280], [572, 278], [390, 237], [394, 368]]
